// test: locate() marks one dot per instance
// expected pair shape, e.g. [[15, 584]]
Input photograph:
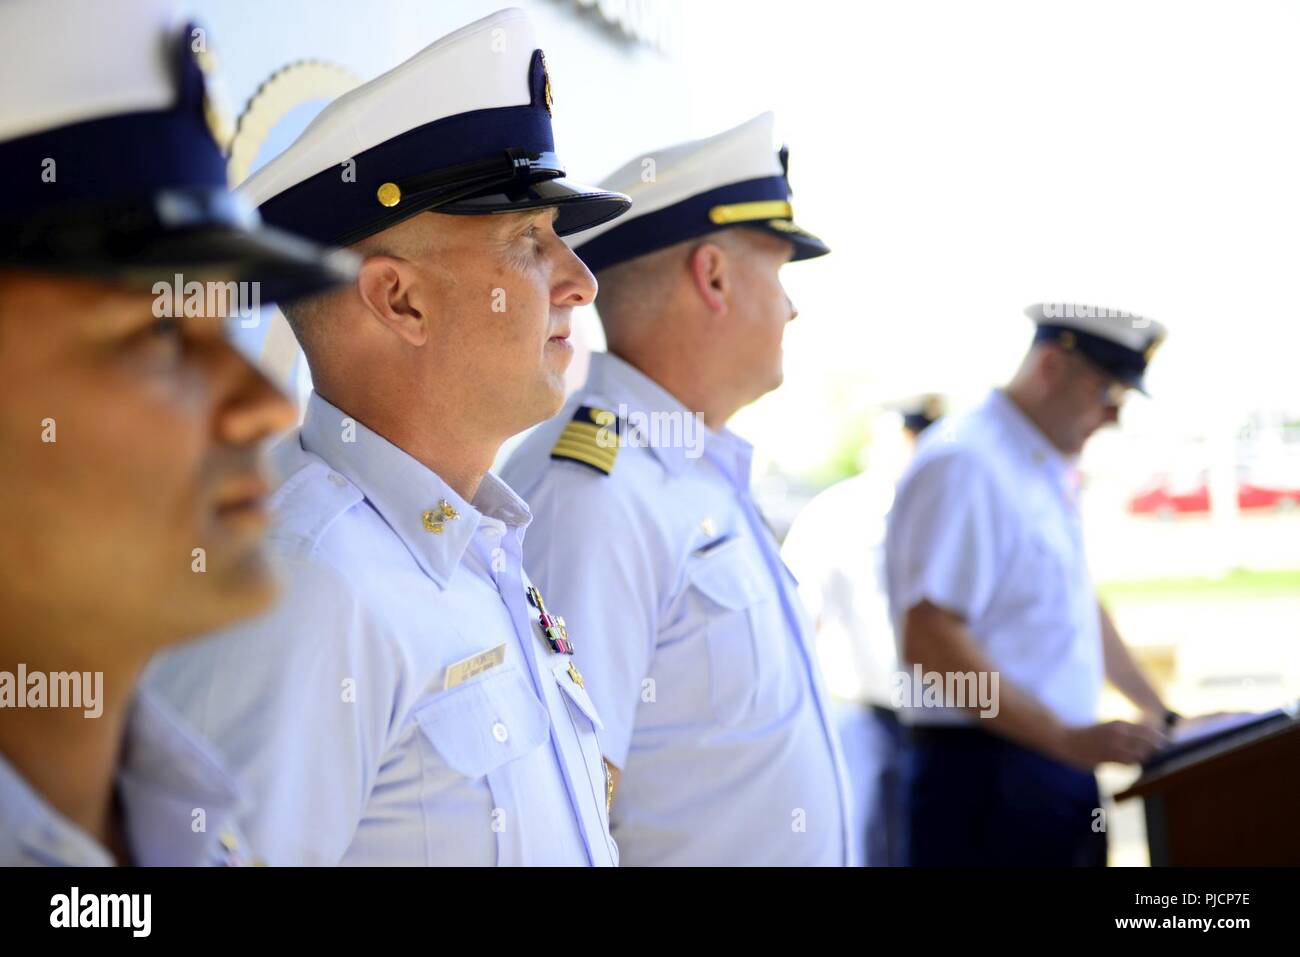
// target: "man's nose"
[[574, 284]]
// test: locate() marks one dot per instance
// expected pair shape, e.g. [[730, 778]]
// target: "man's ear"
[[1054, 366], [385, 285], [710, 276]]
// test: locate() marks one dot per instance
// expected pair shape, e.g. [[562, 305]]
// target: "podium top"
[[1211, 745]]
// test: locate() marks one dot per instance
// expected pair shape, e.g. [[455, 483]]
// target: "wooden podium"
[[1232, 798]]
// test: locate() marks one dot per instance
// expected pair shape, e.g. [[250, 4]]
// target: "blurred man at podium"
[[1002, 640]]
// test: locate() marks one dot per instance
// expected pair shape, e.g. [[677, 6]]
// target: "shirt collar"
[[166, 772], [639, 396], [732, 454], [1032, 443], [408, 494], [42, 833]]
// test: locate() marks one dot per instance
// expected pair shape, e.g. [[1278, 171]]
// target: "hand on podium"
[[1123, 742]]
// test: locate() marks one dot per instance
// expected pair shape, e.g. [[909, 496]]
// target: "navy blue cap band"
[[1127, 365], [676, 223], [326, 208], [127, 154], [137, 197]]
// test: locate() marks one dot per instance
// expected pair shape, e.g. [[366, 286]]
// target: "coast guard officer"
[[986, 574], [129, 441], [687, 624], [415, 700]]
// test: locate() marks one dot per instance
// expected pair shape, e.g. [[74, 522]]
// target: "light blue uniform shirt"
[[689, 630], [986, 525], [179, 804], [334, 708]]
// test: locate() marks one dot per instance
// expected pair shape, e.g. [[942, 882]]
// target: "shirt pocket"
[[484, 724], [742, 633], [488, 734]]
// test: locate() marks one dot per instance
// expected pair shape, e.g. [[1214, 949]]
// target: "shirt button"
[[337, 479], [499, 732], [491, 531]]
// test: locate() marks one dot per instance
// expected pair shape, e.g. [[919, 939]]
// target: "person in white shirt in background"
[[836, 548]]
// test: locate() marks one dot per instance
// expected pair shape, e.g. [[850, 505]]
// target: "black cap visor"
[[806, 245], [203, 234], [579, 207]]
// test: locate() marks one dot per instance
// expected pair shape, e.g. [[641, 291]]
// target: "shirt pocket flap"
[[728, 580], [482, 725], [577, 694]]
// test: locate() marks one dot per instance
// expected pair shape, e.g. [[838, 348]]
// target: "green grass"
[[1237, 584]]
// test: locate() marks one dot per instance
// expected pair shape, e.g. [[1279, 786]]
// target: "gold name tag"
[[474, 665]]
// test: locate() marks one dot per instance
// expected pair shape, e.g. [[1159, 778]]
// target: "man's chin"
[[554, 393], [770, 384]]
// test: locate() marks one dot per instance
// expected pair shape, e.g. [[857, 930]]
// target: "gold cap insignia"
[[546, 87], [389, 194], [1152, 346], [213, 112]]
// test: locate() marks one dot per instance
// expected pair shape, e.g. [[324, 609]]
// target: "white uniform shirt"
[[836, 547], [985, 524], [179, 804], [690, 631], [333, 708]]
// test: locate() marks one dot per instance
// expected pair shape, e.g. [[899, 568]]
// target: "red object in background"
[[1160, 501], [1157, 499], [1255, 496]]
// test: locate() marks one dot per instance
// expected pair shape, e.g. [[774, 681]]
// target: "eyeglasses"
[[1112, 393]]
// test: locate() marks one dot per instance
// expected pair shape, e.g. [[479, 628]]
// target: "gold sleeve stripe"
[[565, 445], [604, 465], [586, 432]]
